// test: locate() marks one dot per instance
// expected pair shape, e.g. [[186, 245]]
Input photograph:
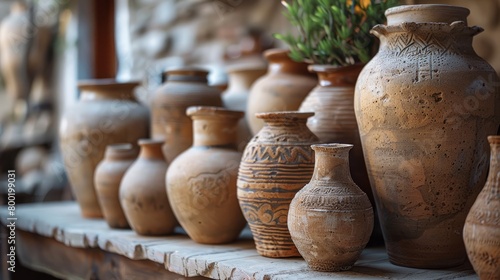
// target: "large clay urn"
[[482, 226], [107, 113], [283, 88], [424, 106], [331, 218], [235, 97], [201, 182], [276, 164], [107, 178], [183, 88]]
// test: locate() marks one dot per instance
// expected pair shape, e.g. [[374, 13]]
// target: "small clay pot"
[[331, 218], [142, 192], [201, 182], [107, 178], [482, 226], [276, 164]]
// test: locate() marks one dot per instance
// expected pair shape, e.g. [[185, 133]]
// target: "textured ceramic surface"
[[283, 88], [425, 105], [142, 192], [107, 113], [482, 226], [331, 218], [276, 164], [201, 182]]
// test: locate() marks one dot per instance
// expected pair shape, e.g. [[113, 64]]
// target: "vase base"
[[426, 263]]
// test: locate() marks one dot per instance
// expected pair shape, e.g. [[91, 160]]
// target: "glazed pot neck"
[[494, 172], [213, 126], [151, 149], [330, 75], [280, 62], [242, 80], [121, 152], [332, 162]]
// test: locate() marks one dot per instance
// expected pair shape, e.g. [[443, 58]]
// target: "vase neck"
[[191, 75], [286, 127], [494, 172], [213, 126], [426, 13], [107, 89], [242, 80], [329, 75], [280, 62], [332, 163], [151, 149], [124, 151]]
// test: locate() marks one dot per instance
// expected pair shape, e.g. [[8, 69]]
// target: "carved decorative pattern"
[[209, 189]]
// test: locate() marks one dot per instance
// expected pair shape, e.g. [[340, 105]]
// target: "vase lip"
[[456, 13], [281, 115], [196, 111], [494, 139], [120, 147], [276, 53], [239, 68], [327, 68], [150, 142], [106, 83], [331, 147]]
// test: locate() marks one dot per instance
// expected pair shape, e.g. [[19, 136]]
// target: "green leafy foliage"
[[333, 32]]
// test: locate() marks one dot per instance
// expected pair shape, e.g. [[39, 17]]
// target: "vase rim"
[[120, 147], [284, 115], [106, 83], [326, 68], [274, 53], [455, 13], [331, 147], [195, 111], [150, 142], [494, 139]]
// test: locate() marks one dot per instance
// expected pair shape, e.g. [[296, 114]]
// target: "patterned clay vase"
[[425, 105], [142, 192], [235, 97], [276, 164], [107, 113], [184, 87], [108, 176], [331, 218], [283, 88], [201, 182], [482, 226]]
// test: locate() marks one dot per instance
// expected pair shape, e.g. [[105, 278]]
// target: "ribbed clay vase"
[[107, 113], [235, 97], [184, 87], [276, 164], [107, 178], [142, 192], [201, 182], [424, 106], [283, 88], [482, 226], [331, 218]]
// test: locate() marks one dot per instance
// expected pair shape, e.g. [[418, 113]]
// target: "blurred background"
[[47, 46]]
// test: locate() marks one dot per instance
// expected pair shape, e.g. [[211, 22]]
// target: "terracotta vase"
[[276, 164], [107, 113], [331, 218], [283, 88], [482, 226], [424, 106], [201, 182], [184, 87], [107, 178], [236, 97], [142, 192]]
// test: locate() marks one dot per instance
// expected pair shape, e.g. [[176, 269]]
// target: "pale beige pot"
[[142, 192], [425, 105], [331, 218], [107, 113], [107, 178], [201, 182]]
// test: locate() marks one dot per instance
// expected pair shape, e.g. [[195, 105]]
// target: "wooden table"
[[54, 238]]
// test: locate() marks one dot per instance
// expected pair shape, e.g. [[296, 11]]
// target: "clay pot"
[[482, 226], [142, 192], [424, 106], [331, 218], [201, 182], [283, 88], [107, 178], [236, 97], [184, 87], [276, 164], [107, 113]]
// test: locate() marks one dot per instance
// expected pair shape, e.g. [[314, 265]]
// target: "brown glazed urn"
[[142, 192], [331, 218], [201, 182], [482, 226], [107, 178], [283, 88], [424, 106], [183, 88], [235, 97], [276, 164], [107, 113]]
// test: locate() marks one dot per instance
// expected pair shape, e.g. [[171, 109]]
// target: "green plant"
[[334, 32]]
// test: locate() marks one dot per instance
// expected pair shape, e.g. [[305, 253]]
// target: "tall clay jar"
[[107, 113], [283, 88], [108, 176], [331, 218], [424, 106], [183, 88], [201, 182], [142, 192], [276, 164], [482, 226]]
